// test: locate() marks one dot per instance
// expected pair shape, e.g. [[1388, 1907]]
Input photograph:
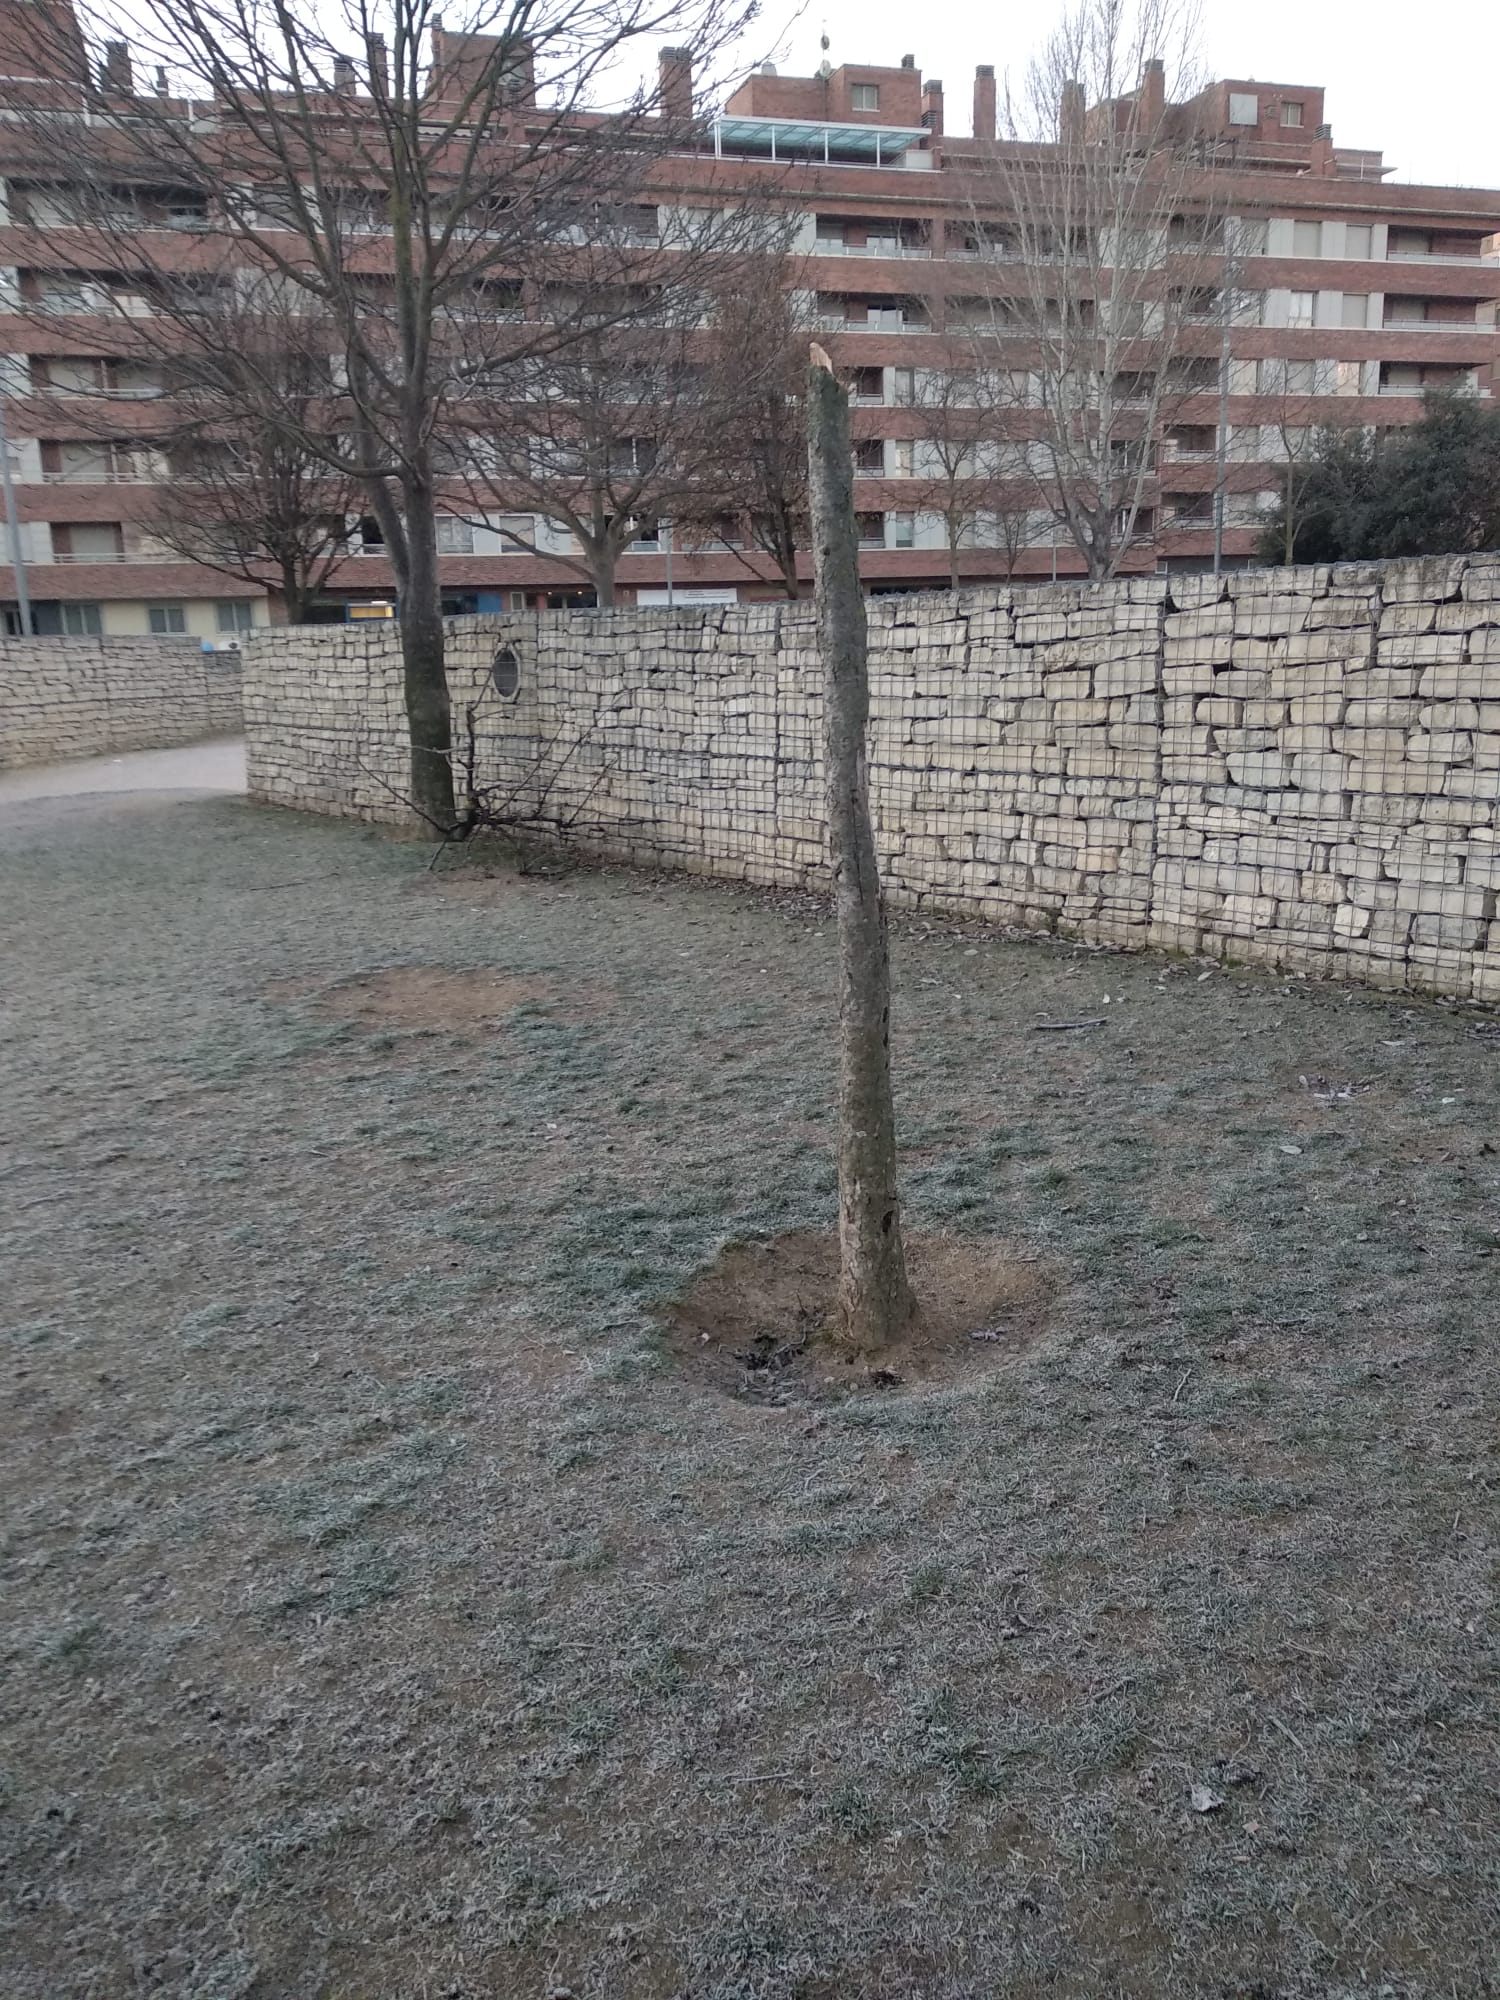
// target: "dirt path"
[[215, 765]]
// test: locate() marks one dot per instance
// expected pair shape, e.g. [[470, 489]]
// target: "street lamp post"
[[13, 530]]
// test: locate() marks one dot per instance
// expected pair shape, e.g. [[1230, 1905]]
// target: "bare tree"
[[413, 211], [875, 1302], [621, 424], [1103, 251], [249, 493], [757, 477], [956, 462], [1297, 425]]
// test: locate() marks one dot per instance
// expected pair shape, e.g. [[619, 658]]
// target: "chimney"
[[984, 101], [675, 67], [1151, 99], [114, 71], [519, 79], [377, 63], [1072, 114], [161, 83], [932, 106], [343, 75]]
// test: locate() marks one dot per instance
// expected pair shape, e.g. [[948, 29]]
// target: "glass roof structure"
[[814, 139]]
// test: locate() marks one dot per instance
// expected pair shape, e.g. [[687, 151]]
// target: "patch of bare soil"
[[418, 996], [756, 1324]]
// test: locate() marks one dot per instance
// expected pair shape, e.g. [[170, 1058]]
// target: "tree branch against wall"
[[414, 211]]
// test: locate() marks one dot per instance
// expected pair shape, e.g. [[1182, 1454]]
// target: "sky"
[[1417, 82]]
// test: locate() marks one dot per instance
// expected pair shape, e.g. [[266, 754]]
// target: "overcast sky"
[[1418, 82]]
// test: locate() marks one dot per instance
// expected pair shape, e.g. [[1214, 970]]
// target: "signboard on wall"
[[658, 599]]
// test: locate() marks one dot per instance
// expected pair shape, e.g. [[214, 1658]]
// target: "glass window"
[[236, 616], [1307, 239], [1356, 309], [865, 97], [903, 385], [1291, 114], [165, 618], [1244, 108], [81, 621], [1357, 240], [454, 536], [903, 531], [1300, 311]]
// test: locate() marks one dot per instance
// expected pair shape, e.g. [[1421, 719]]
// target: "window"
[[515, 532], [869, 457], [371, 537], [864, 97], [455, 537], [88, 541], [904, 454], [1300, 311], [1247, 235], [903, 385], [236, 616], [1244, 108], [165, 618], [1347, 378], [1356, 309], [1307, 239], [903, 533], [81, 621], [1358, 240], [871, 530], [1291, 114]]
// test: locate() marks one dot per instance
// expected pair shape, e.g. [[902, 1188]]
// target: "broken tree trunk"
[[875, 1303]]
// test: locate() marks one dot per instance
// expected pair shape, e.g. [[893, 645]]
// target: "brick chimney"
[[343, 75], [1152, 97], [675, 67], [1072, 114], [932, 106], [984, 101], [378, 63], [114, 71]]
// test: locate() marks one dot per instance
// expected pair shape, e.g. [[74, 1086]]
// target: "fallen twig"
[[1062, 1027]]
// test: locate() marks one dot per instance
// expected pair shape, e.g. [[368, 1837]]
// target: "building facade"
[[1352, 296]]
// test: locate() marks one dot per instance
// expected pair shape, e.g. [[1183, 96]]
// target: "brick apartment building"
[[1355, 295]]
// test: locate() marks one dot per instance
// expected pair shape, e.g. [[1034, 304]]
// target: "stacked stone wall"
[[64, 698], [1300, 766]]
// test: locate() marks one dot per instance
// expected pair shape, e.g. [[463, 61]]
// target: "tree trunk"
[[602, 561], [294, 594], [875, 1303], [428, 715]]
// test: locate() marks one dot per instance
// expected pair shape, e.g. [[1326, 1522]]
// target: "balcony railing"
[[1434, 257], [829, 247]]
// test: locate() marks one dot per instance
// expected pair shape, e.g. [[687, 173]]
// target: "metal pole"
[[13, 529], [1228, 283], [1221, 446], [666, 528]]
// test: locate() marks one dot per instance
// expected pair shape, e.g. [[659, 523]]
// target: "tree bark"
[[875, 1303], [428, 713]]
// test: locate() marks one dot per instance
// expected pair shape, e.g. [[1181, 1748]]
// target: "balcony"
[[813, 142], [1441, 257]]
